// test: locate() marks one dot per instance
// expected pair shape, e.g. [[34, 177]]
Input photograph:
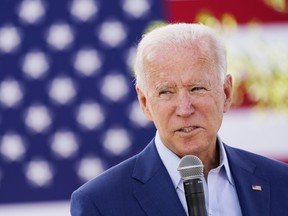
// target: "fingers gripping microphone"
[[191, 172]]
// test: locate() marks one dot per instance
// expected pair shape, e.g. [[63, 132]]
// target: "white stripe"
[[36, 209], [262, 132]]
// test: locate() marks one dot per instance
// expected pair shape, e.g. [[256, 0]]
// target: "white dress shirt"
[[220, 193]]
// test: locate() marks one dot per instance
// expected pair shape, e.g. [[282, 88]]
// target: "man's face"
[[186, 101]]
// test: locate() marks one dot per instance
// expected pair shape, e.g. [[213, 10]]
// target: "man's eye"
[[164, 92], [197, 89]]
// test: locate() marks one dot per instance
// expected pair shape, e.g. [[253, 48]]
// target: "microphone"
[[191, 171]]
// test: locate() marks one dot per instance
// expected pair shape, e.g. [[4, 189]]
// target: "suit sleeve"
[[81, 205]]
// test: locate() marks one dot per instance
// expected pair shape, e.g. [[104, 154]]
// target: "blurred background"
[[68, 108]]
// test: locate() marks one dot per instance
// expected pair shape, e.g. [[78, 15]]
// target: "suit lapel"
[[154, 189], [252, 189]]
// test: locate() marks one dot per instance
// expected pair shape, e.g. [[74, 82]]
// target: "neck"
[[211, 161]]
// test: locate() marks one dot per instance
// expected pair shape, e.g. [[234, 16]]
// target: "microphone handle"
[[195, 197]]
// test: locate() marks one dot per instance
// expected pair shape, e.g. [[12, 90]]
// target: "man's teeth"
[[188, 129]]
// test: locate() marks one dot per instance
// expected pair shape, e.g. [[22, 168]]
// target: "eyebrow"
[[161, 85]]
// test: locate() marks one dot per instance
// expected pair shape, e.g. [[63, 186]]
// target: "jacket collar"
[[156, 194], [154, 189], [252, 188]]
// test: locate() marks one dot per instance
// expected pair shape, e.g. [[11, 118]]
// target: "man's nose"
[[184, 105]]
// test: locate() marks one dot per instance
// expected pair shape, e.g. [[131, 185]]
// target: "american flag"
[[68, 110], [67, 106]]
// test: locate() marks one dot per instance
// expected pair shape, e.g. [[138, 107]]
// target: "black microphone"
[[191, 172]]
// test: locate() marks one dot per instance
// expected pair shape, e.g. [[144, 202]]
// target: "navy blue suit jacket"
[[141, 185]]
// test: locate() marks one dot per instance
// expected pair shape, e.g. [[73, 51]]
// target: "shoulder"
[[265, 165], [122, 175], [114, 186], [117, 175]]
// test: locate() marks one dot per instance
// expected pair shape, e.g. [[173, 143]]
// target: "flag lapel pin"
[[256, 188]]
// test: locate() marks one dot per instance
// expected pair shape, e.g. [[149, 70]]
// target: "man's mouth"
[[187, 129]]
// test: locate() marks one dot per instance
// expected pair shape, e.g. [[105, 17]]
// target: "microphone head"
[[190, 167]]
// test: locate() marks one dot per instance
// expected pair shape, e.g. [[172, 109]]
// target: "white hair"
[[179, 35]]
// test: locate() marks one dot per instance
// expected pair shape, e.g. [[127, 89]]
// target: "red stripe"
[[244, 11], [284, 160]]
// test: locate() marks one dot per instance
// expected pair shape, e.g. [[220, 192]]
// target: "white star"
[[116, 141], [35, 64], [64, 144], [114, 87], [12, 147], [90, 115], [137, 116], [87, 61], [136, 8], [9, 39], [38, 118], [62, 90], [83, 9], [10, 93], [112, 33], [39, 173], [89, 167], [31, 11], [60, 36]]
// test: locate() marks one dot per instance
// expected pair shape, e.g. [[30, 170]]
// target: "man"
[[183, 88]]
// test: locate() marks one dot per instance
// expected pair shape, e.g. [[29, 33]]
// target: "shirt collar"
[[171, 161], [224, 161]]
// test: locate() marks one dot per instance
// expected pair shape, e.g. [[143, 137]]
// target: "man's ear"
[[228, 92], [143, 103]]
